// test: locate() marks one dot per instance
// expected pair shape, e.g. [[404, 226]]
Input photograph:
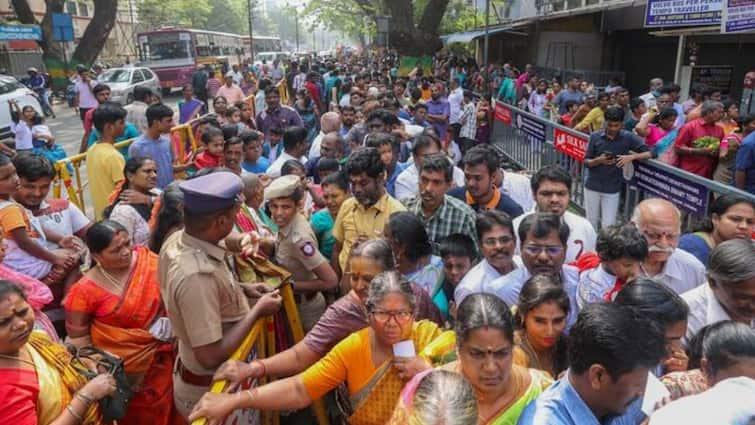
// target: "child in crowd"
[[335, 189], [38, 295], [458, 254], [621, 249], [326, 167], [253, 161], [312, 192], [25, 237], [274, 148], [571, 109], [212, 145], [233, 117]]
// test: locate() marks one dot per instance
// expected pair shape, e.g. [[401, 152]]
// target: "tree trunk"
[[97, 32], [415, 40]]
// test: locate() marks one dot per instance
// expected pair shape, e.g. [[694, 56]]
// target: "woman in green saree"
[[485, 345]]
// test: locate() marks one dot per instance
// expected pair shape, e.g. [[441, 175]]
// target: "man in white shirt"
[[731, 283], [660, 222], [85, 99], [551, 186], [294, 147], [727, 402], [329, 122], [455, 99], [136, 112], [237, 76], [407, 183], [544, 237], [517, 186], [496, 242], [655, 91]]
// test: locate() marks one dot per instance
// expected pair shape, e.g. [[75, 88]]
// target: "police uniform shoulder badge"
[[308, 249]]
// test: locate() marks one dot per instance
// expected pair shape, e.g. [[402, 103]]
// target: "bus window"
[[169, 45]]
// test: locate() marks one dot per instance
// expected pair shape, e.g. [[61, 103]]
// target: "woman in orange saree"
[[116, 307], [364, 362]]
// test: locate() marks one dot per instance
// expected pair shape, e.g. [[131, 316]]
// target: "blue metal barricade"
[[532, 142]]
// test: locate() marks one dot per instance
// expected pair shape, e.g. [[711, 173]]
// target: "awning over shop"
[[467, 36]]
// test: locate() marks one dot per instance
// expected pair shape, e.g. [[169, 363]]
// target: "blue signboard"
[[20, 32], [532, 127], [675, 13], [686, 194], [62, 27], [738, 16]]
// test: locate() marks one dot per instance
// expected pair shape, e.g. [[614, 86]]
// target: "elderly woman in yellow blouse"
[[364, 361]]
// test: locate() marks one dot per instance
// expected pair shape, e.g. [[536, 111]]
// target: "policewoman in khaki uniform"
[[207, 306], [296, 249]]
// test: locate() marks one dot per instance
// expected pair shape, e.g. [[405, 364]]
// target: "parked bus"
[[174, 53], [263, 44]]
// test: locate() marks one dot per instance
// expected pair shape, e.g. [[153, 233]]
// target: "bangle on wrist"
[[74, 414], [84, 397]]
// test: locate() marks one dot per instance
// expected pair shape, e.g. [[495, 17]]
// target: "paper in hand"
[[404, 349], [655, 391]]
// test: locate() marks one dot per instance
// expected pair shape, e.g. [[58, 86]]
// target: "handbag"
[[90, 362]]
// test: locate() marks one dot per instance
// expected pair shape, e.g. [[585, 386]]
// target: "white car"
[[12, 89], [122, 82]]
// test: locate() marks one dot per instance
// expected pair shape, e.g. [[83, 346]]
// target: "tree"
[[154, 14], [92, 41], [414, 27], [228, 16]]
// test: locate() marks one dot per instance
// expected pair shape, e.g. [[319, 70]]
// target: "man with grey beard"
[[660, 222]]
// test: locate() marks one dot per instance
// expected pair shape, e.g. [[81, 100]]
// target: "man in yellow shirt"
[[595, 118], [364, 215], [104, 162]]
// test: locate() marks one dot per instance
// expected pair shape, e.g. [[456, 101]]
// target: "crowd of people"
[[432, 285], [706, 135]]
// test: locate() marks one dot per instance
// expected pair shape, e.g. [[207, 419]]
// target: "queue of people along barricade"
[[360, 247]]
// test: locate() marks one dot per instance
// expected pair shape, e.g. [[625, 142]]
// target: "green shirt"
[[322, 225]]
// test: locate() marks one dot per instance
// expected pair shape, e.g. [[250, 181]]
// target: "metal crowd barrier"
[[532, 142], [182, 138]]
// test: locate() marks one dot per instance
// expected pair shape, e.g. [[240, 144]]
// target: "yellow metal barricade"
[[182, 140], [267, 340]]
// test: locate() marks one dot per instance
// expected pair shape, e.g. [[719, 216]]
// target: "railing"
[[254, 343], [532, 142], [182, 139]]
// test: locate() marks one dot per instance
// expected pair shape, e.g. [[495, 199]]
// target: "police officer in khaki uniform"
[[208, 308], [296, 249]]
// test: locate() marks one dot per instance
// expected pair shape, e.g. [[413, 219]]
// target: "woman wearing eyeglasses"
[[364, 361], [485, 346]]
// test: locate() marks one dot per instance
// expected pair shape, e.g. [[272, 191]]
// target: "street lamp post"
[[250, 3], [296, 18]]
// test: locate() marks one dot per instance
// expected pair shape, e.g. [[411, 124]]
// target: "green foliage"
[[351, 17]]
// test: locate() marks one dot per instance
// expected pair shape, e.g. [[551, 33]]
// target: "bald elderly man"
[[659, 221], [329, 122]]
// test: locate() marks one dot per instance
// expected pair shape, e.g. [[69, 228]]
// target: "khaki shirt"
[[296, 249], [200, 293], [354, 220]]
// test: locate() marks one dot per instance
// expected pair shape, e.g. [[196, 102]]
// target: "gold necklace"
[[116, 283], [18, 358]]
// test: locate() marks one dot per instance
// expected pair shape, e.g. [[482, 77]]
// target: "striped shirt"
[[453, 216]]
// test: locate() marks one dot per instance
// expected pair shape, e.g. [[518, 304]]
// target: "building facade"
[[120, 44]]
